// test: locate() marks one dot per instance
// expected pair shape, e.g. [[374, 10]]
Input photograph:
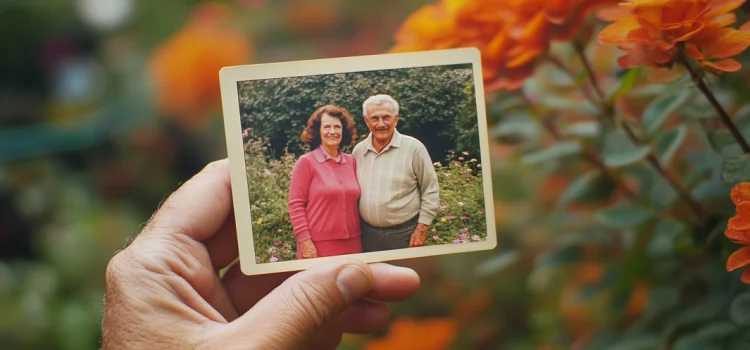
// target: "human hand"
[[308, 249], [419, 236], [163, 290]]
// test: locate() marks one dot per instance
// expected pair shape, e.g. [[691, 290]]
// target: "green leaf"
[[624, 217], [577, 188], [559, 257], [668, 143], [619, 151], [625, 83], [739, 310], [658, 111], [717, 330], [582, 129], [736, 169], [666, 233], [642, 342], [497, 263], [558, 150]]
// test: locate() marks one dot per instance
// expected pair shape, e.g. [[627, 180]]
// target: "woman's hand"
[[308, 249], [164, 290]]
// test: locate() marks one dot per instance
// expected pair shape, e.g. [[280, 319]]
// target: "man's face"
[[381, 120]]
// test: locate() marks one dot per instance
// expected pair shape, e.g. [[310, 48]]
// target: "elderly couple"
[[382, 196]]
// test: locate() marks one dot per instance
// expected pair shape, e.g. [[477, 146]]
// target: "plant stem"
[[589, 71], [607, 110], [698, 80]]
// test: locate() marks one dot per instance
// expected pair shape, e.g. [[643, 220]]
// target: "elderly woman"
[[324, 192]]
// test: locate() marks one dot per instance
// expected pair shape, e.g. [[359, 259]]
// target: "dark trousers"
[[386, 238]]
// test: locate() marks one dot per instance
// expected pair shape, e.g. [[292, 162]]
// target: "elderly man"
[[399, 197]]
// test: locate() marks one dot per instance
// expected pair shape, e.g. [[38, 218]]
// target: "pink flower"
[[464, 218], [272, 249], [276, 242], [435, 238], [465, 153], [463, 237], [464, 230], [460, 158], [475, 238], [273, 259], [448, 216]]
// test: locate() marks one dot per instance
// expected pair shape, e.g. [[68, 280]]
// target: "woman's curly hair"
[[311, 135]]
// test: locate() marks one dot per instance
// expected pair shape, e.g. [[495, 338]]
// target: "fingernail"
[[353, 282]]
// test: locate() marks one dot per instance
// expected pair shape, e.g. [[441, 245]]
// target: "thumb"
[[288, 316]]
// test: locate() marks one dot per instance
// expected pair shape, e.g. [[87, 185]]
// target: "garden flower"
[[738, 230], [460, 204], [464, 230], [435, 238], [186, 68], [465, 153], [652, 32], [464, 218], [443, 220], [512, 35], [449, 216], [475, 238], [276, 242], [460, 158], [463, 237], [430, 333], [273, 259], [272, 250]]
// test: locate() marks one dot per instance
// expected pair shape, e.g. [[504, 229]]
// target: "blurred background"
[[106, 106]]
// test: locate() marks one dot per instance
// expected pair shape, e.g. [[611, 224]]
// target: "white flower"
[[273, 259], [461, 204]]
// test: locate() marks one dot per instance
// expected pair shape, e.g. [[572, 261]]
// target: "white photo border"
[[230, 76]]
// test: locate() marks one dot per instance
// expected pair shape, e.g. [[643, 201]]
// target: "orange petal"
[[738, 259], [720, 7], [723, 42], [617, 32], [727, 65], [694, 53], [746, 276], [740, 237], [740, 193], [741, 221], [745, 27], [724, 20], [612, 13], [524, 57]]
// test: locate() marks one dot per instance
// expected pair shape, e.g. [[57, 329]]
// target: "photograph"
[[380, 156]]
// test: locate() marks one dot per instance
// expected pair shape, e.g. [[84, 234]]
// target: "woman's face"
[[331, 131]]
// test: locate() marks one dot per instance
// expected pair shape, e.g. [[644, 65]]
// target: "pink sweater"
[[323, 197]]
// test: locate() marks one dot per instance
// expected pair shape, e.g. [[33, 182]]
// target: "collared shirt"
[[323, 197], [398, 183]]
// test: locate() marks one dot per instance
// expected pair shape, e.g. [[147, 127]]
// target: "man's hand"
[[419, 236], [164, 291], [308, 249]]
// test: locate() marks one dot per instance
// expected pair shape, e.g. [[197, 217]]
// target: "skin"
[[382, 133], [163, 291], [331, 132]]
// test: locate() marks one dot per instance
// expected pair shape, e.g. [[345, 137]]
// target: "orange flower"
[[511, 34], [433, 334], [738, 230], [652, 32], [185, 70]]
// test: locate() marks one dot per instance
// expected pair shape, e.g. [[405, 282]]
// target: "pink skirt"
[[337, 247]]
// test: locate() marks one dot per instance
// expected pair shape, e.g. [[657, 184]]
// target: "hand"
[[419, 237], [163, 291], [308, 249]]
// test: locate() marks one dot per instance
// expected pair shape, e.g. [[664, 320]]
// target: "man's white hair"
[[379, 100]]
